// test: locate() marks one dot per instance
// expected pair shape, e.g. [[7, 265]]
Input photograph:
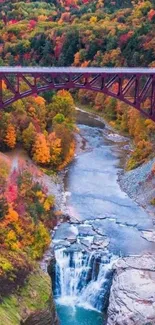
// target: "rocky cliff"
[[47, 316], [44, 314], [31, 304], [132, 297]]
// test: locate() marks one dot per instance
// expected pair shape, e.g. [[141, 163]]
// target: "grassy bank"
[[33, 296]]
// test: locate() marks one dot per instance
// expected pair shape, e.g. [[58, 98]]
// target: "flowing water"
[[81, 286], [105, 224]]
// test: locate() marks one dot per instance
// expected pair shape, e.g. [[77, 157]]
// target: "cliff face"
[[46, 316], [132, 297], [32, 304]]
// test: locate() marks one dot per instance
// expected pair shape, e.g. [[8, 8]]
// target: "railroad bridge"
[[133, 86]]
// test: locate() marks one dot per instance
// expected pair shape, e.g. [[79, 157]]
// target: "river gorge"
[[101, 258], [104, 225]]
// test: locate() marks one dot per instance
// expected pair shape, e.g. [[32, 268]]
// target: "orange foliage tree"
[[55, 149], [10, 138], [41, 150]]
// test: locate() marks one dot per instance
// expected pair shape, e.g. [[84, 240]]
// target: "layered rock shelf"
[[132, 297]]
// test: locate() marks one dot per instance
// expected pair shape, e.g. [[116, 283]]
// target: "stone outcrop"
[[132, 297], [44, 312], [47, 316]]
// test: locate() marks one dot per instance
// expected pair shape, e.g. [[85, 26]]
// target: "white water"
[[82, 279]]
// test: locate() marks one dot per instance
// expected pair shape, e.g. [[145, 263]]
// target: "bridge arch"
[[133, 86]]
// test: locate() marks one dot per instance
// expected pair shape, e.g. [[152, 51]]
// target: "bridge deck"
[[133, 86], [77, 70]]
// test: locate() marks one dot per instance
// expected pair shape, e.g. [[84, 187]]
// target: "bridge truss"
[[133, 86]]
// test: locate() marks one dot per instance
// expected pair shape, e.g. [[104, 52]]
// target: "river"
[[105, 224]]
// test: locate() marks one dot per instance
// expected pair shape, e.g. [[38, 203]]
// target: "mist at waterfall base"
[[78, 316], [82, 282]]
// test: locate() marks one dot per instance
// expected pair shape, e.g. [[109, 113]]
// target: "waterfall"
[[97, 290], [82, 278]]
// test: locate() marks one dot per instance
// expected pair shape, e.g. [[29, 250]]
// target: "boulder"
[[132, 296]]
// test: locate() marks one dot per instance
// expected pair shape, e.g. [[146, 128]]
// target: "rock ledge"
[[132, 296]]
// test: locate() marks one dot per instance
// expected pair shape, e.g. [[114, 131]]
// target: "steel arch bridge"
[[133, 86]]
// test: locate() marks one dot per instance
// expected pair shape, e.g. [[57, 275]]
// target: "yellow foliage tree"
[[10, 138], [41, 150], [12, 241], [49, 203], [93, 20], [112, 56], [150, 125], [11, 236], [42, 240], [28, 136], [55, 148]]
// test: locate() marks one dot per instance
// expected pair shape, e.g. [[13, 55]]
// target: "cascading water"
[[82, 279], [68, 272], [97, 290]]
